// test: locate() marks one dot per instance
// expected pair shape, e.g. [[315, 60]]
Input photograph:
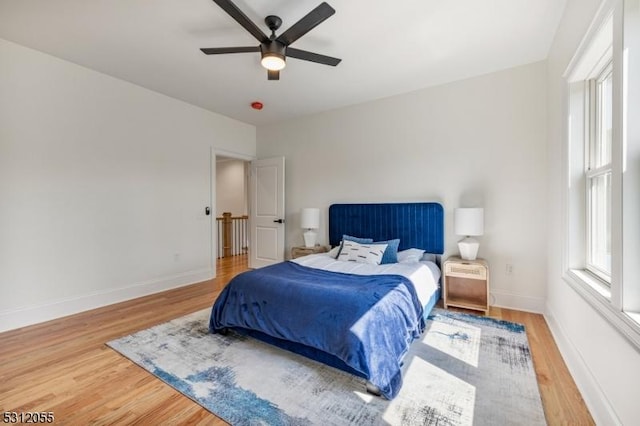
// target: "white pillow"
[[362, 253], [411, 255]]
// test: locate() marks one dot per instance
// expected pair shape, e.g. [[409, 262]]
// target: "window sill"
[[599, 297], [594, 282], [635, 316]]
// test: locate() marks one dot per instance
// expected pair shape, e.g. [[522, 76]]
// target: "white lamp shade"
[[310, 218], [468, 221]]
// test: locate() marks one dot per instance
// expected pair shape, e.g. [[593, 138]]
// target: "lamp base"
[[310, 238], [468, 248]]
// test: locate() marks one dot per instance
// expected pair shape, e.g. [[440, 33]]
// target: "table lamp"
[[468, 222], [310, 220]]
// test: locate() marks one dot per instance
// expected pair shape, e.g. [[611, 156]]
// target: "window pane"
[[604, 122], [600, 223]]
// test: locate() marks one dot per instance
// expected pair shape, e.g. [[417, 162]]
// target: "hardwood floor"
[[64, 367]]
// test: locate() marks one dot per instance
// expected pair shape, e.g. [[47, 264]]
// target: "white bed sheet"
[[424, 275]]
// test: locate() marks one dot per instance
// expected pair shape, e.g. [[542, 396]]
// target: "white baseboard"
[[29, 315], [599, 407], [518, 302]]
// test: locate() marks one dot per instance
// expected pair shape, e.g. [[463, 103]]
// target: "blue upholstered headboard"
[[418, 225]]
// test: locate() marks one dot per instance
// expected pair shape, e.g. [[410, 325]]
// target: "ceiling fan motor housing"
[[273, 55], [273, 48]]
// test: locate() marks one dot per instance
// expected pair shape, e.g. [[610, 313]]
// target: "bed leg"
[[223, 331], [373, 389]]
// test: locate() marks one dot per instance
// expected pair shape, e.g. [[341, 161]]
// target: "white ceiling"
[[387, 47]]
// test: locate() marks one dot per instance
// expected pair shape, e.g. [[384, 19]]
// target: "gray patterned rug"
[[464, 370]]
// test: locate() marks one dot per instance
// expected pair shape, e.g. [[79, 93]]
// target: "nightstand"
[[303, 251], [466, 284]]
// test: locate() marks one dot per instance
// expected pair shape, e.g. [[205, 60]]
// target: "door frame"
[[214, 152]]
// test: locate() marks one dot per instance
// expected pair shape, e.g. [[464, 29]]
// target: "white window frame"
[[601, 44], [593, 171]]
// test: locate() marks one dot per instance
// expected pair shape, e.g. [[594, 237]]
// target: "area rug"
[[464, 370]]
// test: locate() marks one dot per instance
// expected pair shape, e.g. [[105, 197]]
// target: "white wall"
[[103, 186], [605, 366], [477, 142], [231, 187]]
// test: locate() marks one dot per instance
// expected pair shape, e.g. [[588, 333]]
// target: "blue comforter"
[[367, 322]]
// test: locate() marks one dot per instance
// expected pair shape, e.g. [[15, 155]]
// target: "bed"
[[354, 316]]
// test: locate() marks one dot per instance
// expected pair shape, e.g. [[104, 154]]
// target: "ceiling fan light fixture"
[[273, 61]]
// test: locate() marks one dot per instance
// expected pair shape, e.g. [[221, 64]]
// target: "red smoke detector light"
[[257, 105]]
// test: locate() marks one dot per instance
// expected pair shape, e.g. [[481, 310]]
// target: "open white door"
[[267, 212]]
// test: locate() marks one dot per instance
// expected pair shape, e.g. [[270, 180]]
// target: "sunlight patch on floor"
[[449, 395]]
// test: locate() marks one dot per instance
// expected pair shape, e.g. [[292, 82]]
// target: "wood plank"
[[64, 366]]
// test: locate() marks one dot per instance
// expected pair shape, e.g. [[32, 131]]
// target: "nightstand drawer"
[[463, 270]]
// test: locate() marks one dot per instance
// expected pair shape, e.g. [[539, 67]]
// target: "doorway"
[[231, 207], [256, 189]]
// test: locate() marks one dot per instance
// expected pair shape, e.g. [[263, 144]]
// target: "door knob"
[[279, 221], [207, 211]]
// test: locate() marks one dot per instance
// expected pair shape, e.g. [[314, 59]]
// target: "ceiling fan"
[[274, 50]]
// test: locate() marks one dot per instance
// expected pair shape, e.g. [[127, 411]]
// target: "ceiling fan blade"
[[313, 57], [306, 24], [273, 75], [242, 19], [220, 50]]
